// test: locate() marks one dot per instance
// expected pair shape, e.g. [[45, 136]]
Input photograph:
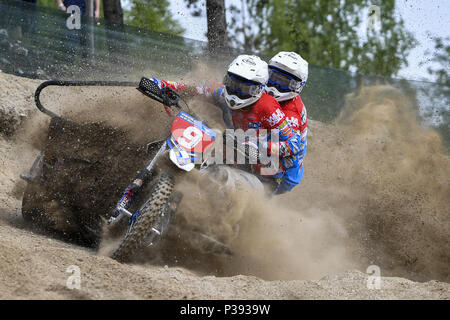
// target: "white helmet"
[[244, 81], [288, 73]]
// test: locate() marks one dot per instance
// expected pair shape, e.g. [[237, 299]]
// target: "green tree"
[[47, 3], [441, 59], [153, 15], [328, 33]]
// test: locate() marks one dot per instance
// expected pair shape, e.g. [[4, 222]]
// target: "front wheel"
[[148, 218]]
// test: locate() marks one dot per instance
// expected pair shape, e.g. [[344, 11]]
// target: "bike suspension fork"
[[130, 193]]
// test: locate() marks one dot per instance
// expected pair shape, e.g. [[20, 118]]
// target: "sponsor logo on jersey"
[[293, 121], [276, 117], [285, 129], [254, 125]]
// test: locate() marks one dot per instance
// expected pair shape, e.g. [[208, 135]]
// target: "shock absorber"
[[129, 195]]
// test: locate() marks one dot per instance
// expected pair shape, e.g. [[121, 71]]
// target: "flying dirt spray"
[[375, 192]]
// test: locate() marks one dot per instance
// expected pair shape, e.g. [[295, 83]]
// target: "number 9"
[[191, 137]]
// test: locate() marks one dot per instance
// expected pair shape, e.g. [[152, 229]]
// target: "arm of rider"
[[290, 142], [303, 142], [177, 86], [191, 90], [214, 91]]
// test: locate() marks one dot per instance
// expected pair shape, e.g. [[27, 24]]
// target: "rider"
[[288, 73], [251, 108]]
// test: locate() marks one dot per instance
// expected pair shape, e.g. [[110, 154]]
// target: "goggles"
[[283, 82], [241, 88]]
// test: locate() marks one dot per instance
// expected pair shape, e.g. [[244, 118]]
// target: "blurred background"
[[348, 43]]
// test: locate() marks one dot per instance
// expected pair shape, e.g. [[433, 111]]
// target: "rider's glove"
[[177, 86]]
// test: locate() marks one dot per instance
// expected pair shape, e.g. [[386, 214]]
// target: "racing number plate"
[[191, 134]]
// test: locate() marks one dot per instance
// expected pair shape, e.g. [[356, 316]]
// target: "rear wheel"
[[149, 217]]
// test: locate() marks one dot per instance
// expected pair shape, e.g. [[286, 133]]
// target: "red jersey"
[[264, 114], [267, 114], [295, 112]]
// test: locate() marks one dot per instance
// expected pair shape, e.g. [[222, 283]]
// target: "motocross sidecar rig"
[[71, 192]]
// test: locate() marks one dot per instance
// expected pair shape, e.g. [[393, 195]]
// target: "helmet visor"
[[284, 82], [241, 88]]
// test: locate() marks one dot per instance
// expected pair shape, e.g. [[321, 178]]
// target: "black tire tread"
[[147, 218]]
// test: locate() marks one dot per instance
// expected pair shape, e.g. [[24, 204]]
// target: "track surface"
[[348, 213]]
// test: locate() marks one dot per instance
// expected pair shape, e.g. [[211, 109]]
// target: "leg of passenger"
[[291, 179]]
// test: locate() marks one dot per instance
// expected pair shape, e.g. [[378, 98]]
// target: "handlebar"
[[167, 96]]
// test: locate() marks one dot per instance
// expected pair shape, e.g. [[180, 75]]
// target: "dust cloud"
[[376, 191]]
